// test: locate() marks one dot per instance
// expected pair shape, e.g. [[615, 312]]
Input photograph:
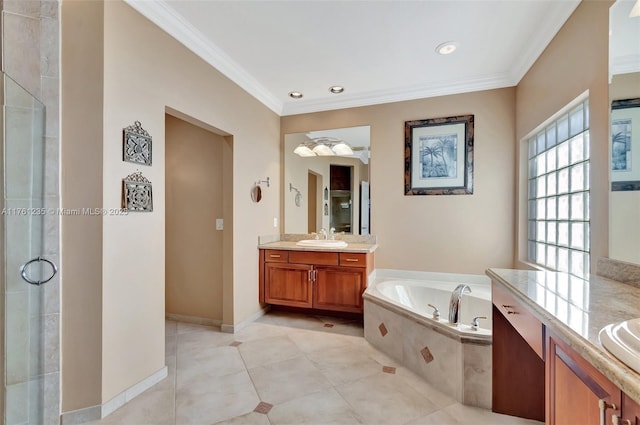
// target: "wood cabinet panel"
[[518, 373], [348, 259], [288, 284], [575, 388], [520, 318], [276, 255], [630, 411], [338, 289], [314, 257]]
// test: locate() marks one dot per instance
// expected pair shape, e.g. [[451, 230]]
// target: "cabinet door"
[[576, 388], [288, 284], [630, 411], [339, 288]]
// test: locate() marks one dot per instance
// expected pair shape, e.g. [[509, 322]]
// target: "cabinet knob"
[[617, 420], [603, 405]]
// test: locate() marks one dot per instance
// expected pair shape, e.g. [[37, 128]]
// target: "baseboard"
[[235, 328], [94, 413], [193, 319]]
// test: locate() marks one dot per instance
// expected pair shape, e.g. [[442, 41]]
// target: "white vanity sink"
[[623, 341], [322, 243]]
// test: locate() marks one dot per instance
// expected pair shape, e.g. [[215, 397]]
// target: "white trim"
[[132, 392], [489, 82], [547, 31], [94, 413], [193, 319], [230, 329], [163, 15], [624, 64], [80, 416]]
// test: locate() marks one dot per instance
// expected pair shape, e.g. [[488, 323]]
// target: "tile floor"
[[290, 369]]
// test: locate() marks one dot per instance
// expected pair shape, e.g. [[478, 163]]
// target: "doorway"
[[198, 220]]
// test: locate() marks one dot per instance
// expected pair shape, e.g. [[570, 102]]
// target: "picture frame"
[[438, 156], [137, 145], [137, 195], [625, 140]]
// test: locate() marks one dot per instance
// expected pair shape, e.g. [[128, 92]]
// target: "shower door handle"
[[24, 267]]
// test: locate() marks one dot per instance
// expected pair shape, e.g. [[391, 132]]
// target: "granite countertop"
[[576, 309], [291, 246]]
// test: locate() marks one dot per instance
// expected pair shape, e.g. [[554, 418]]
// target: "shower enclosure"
[[24, 271]]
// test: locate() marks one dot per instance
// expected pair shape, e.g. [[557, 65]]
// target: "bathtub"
[[454, 358]]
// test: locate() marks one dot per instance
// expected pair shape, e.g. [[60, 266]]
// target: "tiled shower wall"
[[30, 56]]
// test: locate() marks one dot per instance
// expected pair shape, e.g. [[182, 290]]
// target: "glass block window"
[[558, 195]]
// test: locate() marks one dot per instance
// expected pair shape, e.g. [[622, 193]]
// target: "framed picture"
[[137, 144], [438, 156], [137, 193], [625, 139]]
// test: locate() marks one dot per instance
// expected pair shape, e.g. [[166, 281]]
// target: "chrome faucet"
[[323, 234], [332, 233], [454, 303]]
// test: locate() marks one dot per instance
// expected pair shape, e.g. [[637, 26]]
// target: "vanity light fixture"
[[323, 146], [295, 95], [339, 89], [448, 47]]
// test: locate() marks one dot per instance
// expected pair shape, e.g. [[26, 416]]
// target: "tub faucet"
[[454, 303]]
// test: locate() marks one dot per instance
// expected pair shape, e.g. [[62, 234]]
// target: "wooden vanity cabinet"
[[324, 280], [577, 391], [518, 365], [630, 411]]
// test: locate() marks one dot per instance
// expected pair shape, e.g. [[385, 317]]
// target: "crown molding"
[[164, 16], [495, 81], [541, 39], [624, 64]]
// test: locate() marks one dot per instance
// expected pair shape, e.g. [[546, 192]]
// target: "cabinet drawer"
[[519, 317], [276, 256], [314, 257], [353, 259]]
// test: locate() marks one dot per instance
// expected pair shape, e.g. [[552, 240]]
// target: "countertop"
[[576, 309], [291, 246]]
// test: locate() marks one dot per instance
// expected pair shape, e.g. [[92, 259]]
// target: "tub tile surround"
[[324, 375], [595, 302], [459, 366]]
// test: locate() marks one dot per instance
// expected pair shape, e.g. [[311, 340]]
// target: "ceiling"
[[380, 51]]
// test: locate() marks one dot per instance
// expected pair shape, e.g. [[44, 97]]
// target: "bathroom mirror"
[[330, 190], [624, 83]]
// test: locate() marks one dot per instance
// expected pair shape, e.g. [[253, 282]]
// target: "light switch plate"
[[219, 224]]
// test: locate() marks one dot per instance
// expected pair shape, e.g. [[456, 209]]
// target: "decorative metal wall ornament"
[[136, 144], [136, 193]]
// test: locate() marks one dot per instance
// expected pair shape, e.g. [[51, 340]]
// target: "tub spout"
[[454, 303]]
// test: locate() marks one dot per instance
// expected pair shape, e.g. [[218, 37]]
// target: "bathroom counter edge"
[[525, 286], [291, 246]]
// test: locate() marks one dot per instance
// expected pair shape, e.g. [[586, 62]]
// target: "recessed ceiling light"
[[295, 95], [447, 48], [336, 89]]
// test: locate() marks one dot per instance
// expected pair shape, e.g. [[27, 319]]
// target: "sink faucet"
[[323, 234], [454, 303], [332, 233]]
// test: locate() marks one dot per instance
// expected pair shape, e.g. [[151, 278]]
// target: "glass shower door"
[[24, 270]]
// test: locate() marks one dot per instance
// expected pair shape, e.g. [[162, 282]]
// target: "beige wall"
[[576, 60], [458, 234], [114, 292], [194, 200], [81, 182]]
